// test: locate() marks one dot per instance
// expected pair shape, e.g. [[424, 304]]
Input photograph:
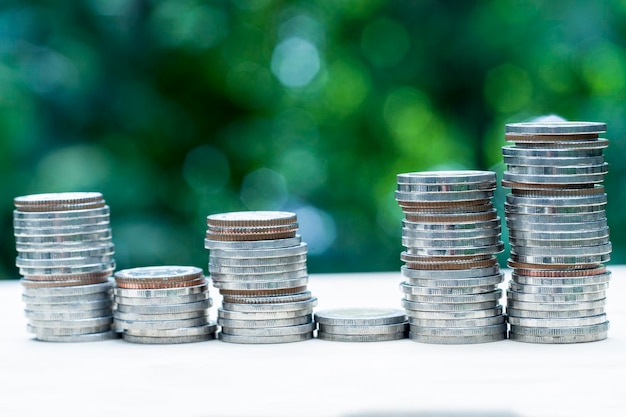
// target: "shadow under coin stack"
[[258, 263], [163, 305], [65, 255], [361, 324], [558, 232], [451, 233]]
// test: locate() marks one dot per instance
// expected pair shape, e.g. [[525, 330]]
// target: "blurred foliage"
[[176, 109]]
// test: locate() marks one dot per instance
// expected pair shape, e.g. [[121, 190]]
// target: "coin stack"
[[451, 233], [258, 263], [558, 231], [65, 256], [361, 324], [163, 305]]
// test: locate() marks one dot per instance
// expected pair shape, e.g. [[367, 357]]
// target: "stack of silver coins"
[[361, 324], [163, 305], [452, 233], [558, 231], [258, 263], [65, 255]]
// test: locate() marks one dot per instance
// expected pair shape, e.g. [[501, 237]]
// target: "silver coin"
[[159, 293], [562, 218], [457, 282], [57, 231], [157, 301], [261, 285], [537, 161], [66, 331], [73, 324], [90, 337], [561, 227], [69, 270], [408, 187], [159, 272], [575, 251], [556, 323], [69, 307], [209, 328], [456, 322], [258, 308], [590, 149], [252, 244], [455, 315], [455, 299], [292, 250], [160, 324], [67, 315], [266, 315], [469, 251], [361, 338], [569, 289], [446, 177], [244, 230], [67, 299], [162, 316], [561, 281], [274, 299], [460, 340], [147, 340], [61, 223], [444, 197], [451, 244], [560, 236], [60, 264], [565, 314], [560, 331], [269, 331], [356, 330], [558, 170], [450, 227], [458, 331], [560, 260], [518, 209], [259, 277], [449, 234], [254, 270], [553, 179], [360, 316], [559, 244], [165, 308], [450, 274], [255, 262], [582, 201], [265, 339], [555, 298], [63, 241], [414, 289], [555, 128], [257, 324], [593, 337], [42, 215], [62, 255], [251, 217], [580, 305], [46, 199], [412, 305]]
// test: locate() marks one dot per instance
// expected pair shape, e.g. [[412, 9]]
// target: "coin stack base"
[[65, 255], [558, 232], [452, 234], [163, 305], [258, 263], [361, 324]]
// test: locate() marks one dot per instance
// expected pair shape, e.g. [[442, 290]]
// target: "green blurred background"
[[177, 109]]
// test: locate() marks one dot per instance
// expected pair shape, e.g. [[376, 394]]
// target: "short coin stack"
[[558, 231], [163, 305], [65, 255], [361, 324], [258, 263], [452, 234]]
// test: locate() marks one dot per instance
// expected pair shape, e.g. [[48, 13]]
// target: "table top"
[[315, 377]]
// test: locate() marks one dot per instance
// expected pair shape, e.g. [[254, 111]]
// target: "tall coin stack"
[[65, 256], [558, 232], [163, 305], [451, 233], [258, 263]]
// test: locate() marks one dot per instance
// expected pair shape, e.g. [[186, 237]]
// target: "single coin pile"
[[558, 231], [451, 233], [258, 263], [361, 324], [163, 305], [65, 256]]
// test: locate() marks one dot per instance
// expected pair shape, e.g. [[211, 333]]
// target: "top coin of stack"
[[558, 231], [258, 262], [65, 255], [452, 234]]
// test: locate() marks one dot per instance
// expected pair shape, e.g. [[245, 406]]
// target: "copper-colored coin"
[[561, 273], [69, 283], [563, 267], [251, 218], [547, 187], [249, 236], [159, 285], [409, 257], [451, 265], [512, 137], [262, 293], [70, 277], [452, 218]]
